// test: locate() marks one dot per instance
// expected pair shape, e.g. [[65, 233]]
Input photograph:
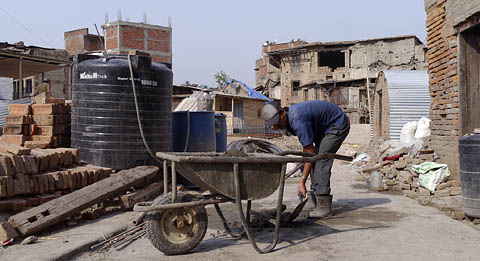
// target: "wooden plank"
[[3, 187], [143, 194], [55, 100], [36, 144], [6, 164], [45, 109], [47, 130], [13, 139], [43, 159], [46, 120], [7, 232], [36, 219], [19, 109], [14, 149], [473, 80], [18, 119], [15, 129]]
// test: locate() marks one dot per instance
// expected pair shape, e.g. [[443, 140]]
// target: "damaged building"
[[453, 27], [340, 72]]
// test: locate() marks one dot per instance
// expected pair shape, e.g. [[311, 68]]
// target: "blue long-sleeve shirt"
[[311, 120]]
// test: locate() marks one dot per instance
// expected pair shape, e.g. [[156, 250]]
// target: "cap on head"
[[271, 114]]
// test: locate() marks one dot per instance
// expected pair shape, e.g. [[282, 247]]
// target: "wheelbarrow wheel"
[[176, 231]]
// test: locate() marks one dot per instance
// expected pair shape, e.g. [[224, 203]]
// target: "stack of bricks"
[[38, 125], [444, 84], [29, 177]]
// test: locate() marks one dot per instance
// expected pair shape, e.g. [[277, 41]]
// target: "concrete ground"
[[365, 226]]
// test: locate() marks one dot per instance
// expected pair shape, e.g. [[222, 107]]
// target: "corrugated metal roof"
[[409, 98], [4, 108]]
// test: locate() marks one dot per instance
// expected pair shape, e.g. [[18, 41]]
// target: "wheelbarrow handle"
[[314, 157], [296, 153]]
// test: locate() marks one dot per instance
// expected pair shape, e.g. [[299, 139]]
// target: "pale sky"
[[209, 36]]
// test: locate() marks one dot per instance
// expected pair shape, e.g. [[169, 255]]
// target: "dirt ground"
[[365, 225]]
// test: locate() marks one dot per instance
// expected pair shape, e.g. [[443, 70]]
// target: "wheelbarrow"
[[176, 222]]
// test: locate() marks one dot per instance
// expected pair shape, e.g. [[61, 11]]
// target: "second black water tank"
[[469, 150], [104, 120]]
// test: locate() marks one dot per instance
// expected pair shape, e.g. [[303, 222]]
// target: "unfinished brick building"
[[337, 71], [453, 64], [122, 36], [80, 41]]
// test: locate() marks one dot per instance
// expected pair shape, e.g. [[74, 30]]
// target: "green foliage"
[[221, 78]]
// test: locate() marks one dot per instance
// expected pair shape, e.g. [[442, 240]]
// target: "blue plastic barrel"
[[193, 131], [221, 132]]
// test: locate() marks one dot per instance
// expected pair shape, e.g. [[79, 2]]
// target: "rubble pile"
[[38, 125], [30, 177], [395, 163]]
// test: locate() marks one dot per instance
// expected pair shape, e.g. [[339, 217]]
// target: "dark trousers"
[[320, 175]]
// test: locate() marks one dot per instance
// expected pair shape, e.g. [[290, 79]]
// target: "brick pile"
[[398, 175], [30, 177], [38, 125]]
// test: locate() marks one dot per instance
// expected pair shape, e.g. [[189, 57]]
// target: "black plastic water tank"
[[469, 150], [104, 120]]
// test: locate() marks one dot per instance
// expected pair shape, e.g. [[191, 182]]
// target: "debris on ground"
[[121, 240], [29, 240], [39, 218], [398, 164]]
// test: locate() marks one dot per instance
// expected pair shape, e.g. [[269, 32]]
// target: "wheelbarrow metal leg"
[[165, 177], [238, 201], [174, 183], [225, 224], [249, 208]]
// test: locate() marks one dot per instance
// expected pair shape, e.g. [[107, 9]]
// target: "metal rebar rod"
[[129, 239], [116, 236]]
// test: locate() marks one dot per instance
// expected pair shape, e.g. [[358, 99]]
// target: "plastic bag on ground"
[[423, 128], [362, 157], [407, 136], [431, 174]]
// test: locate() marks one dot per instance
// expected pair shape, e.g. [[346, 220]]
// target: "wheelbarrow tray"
[[259, 173]]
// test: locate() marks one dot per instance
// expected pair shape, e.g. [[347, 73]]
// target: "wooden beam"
[[143, 194], [39, 218]]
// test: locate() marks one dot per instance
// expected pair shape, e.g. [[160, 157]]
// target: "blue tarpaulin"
[[251, 92]]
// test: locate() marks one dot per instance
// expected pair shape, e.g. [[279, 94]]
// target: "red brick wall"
[[163, 46], [160, 59], [132, 37], [82, 31], [156, 42], [74, 45], [444, 85], [111, 31]]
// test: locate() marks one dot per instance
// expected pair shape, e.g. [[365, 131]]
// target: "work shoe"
[[311, 201], [323, 207]]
